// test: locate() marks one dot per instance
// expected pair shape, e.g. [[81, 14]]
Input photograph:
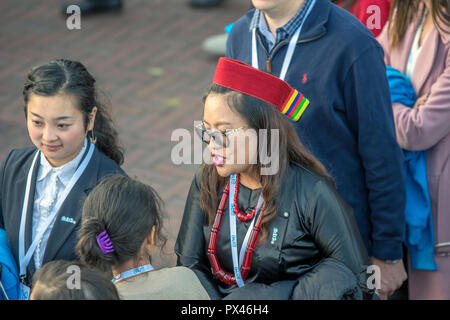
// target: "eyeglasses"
[[220, 138]]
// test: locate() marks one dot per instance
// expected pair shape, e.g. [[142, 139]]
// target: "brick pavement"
[[147, 60]]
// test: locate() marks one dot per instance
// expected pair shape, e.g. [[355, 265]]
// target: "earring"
[[93, 138]]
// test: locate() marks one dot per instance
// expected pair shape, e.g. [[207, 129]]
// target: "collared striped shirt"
[[259, 21]]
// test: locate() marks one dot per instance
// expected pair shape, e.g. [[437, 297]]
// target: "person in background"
[[416, 43], [42, 188], [324, 52], [122, 222], [372, 13], [71, 280]]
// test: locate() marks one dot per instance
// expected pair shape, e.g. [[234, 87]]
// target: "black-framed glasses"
[[220, 138]]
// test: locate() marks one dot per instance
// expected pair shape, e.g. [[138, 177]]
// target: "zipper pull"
[[268, 66]]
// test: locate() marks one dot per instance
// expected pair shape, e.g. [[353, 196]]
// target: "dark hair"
[[403, 12], [259, 115], [128, 210], [55, 276], [72, 78]]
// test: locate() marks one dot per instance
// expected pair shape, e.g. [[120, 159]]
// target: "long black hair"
[[128, 210], [68, 77]]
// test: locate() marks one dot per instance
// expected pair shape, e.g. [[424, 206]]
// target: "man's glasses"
[[220, 138]]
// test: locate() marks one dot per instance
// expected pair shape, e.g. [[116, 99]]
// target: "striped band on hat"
[[239, 76]]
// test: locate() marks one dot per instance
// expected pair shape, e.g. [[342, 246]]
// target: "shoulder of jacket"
[[17, 157], [243, 22], [345, 28], [308, 178], [107, 165], [310, 186]]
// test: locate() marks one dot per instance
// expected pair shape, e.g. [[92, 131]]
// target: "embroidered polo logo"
[[67, 219], [274, 235], [305, 78]]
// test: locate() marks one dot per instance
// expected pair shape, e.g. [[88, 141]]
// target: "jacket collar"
[[258, 20], [315, 24]]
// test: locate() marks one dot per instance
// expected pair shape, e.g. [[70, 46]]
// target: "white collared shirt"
[[50, 183], [415, 49]]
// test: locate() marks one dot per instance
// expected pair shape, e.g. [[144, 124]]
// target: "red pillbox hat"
[[239, 76]]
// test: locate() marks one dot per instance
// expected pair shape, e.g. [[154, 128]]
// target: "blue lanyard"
[[132, 272], [237, 262], [25, 256], [291, 46]]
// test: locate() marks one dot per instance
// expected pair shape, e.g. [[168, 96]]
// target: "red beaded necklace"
[[242, 216], [223, 275]]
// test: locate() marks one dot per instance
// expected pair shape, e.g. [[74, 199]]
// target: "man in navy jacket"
[[348, 126]]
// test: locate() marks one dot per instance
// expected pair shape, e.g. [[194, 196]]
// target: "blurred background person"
[[372, 13], [324, 52], [416, 43]]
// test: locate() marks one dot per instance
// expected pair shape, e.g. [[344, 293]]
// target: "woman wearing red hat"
[[249, 233]]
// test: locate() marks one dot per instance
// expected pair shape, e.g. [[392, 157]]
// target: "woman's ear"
[[151, 237], [92, 119], [151, 240]]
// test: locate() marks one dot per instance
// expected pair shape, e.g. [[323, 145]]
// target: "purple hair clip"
[[104, 242]]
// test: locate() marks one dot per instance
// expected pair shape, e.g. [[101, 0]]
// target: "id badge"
[[24, 292]]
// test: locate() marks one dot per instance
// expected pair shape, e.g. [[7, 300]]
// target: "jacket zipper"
[[270, 56]]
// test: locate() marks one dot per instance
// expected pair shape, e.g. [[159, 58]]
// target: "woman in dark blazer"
[[42, 188]]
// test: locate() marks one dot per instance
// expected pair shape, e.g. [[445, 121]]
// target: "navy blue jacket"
[[348, 126], [63, 237]]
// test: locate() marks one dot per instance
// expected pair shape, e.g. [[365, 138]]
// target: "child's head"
[[71, 280], [121, 221]]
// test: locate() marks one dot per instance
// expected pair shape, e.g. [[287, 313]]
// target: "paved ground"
[[149, 62]]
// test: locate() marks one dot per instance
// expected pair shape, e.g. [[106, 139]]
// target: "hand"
[[420, 101], [392, 277]]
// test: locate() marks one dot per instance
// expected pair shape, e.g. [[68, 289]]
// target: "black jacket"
[[313, 224], [63, 237]]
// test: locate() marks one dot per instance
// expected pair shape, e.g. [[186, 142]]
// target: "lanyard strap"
[[133, 272], [290, 50], [4, 291], [233, 238], [24, 259]]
